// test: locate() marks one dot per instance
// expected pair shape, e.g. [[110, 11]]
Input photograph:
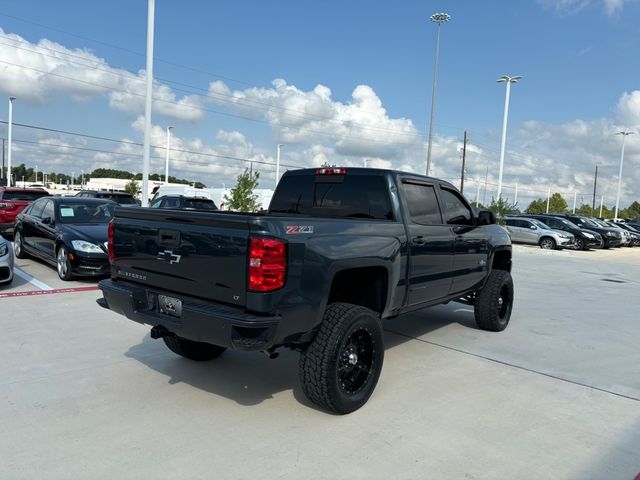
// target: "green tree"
[[111, 173], [537, 206], [133, 187], [632, 211], [242, 198], [584, 209], [503, 207], [557, 204]]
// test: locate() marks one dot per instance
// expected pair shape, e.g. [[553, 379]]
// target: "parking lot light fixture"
[[9, 140], [508, 80], [166, 163], [624, 134], [280, 145], [438, 18]]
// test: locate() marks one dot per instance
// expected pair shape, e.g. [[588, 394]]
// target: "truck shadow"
[[250, 378]]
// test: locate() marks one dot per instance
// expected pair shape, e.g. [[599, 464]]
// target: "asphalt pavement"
[[85, 393]]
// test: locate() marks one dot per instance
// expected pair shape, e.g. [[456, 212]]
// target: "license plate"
[[170, 306]]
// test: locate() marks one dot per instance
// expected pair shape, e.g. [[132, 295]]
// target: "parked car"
[[628, 236], [584, 239], [338, 251], [121, 198], [6, 262], [12, 201], [624, 239], [610, 237], [70, 233], [183, 203], [633, 230], [534, 232]]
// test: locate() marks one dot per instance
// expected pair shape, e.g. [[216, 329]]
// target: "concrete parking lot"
[[87, 394]]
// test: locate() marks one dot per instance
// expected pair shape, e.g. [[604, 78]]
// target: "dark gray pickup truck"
[[338, 251]]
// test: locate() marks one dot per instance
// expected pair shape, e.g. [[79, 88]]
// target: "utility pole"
[[593, 204], [464, 154], [601, 204], [2, 172]]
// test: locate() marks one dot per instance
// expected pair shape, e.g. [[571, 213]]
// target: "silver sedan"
[[6, 262]]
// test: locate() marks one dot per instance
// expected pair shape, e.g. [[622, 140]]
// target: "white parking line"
[[30, 279]]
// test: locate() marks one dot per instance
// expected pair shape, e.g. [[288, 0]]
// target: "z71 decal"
[[295, 229]]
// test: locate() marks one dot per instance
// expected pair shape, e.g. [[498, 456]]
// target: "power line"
[[200, 108], [123, 49], [225, 98], [189, 152]]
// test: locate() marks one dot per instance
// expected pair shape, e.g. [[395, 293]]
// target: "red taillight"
[[267, 264], [331, 171], [110, 229]]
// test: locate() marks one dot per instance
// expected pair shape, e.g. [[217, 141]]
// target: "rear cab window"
[[341, 196]]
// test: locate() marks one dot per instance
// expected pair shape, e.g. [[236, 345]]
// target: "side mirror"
[[486, 217], [533, 227]]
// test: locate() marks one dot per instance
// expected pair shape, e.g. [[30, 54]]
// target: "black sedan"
[[67, 232]]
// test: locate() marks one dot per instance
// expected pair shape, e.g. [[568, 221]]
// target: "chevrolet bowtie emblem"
[[169, 256]]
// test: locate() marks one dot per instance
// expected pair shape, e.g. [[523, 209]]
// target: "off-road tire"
[[198, 351], [490, 311], [18, 245], [340, 368]]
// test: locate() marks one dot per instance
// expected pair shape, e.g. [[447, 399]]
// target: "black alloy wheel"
[[356, 361], [340, 368], [494, 303]]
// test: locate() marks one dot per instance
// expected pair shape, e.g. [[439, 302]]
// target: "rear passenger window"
[[422, 203], [36, 209], [48, 210], [456, 211]]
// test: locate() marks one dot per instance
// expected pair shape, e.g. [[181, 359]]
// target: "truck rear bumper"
[[202, 321]]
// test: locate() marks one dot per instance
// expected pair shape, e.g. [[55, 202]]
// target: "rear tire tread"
[[318, 360], [486, 309]]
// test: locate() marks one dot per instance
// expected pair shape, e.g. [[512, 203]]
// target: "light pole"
[[438, 18], [508, 80], [36, 173], [280, 145], [151, 7], [166, 164], [10, 140], [624, 136], [82, 179]]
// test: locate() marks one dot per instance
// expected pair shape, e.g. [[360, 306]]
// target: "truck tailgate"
[[199, 254]]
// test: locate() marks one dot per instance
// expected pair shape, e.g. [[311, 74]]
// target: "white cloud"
[[35, 72], [628, 109], [571, 7], [360, 128]]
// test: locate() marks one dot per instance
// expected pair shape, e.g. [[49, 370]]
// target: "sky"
[[338, 82]]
